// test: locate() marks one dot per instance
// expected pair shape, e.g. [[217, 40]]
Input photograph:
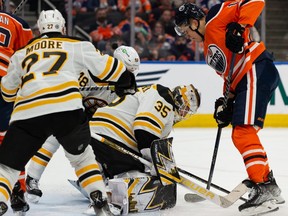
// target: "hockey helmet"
[[51, 21], [186, 12], [129, 56], [187, 100]]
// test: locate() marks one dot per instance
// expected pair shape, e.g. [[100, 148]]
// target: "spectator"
[[142, 6], [93, 5], [167, 20], [12, 7], [161, 40], [142, 29], [102, 30], [181, 50]]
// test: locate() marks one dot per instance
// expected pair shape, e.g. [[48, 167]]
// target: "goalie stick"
[[223, 201]]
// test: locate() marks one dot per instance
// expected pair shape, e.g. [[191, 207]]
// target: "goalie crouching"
[[133, 122]]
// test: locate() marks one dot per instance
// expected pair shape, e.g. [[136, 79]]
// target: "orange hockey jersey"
[[14, 34], [216, 53]]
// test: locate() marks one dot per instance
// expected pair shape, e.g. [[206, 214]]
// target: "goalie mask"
[[129, 57], [187, 101], [51, 21]]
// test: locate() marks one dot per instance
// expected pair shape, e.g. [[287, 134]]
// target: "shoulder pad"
[[165, 93]]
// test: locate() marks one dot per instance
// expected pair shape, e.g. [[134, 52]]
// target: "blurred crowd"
[[155, 38], [108, 22]]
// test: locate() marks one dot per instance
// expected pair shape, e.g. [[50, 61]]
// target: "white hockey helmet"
[[129, 56], [51, 21], [187, 100]]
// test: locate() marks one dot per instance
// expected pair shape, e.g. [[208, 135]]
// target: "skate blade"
[[264, 208]]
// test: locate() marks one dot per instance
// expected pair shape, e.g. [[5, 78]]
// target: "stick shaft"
[[219, 131], [97, 88]]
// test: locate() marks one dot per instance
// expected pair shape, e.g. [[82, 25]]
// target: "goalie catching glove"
[[223, 114]]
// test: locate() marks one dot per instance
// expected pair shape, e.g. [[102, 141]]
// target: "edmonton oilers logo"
[[216, 59]]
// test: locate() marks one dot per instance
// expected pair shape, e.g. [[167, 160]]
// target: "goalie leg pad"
[[142, 194]]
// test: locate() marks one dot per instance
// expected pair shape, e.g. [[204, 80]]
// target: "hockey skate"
[[274, 189], [33, 191], [18, 202], [3, 208], [260, 200], [102, 207]]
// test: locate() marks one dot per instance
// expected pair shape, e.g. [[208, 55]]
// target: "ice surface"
[[193, 149]]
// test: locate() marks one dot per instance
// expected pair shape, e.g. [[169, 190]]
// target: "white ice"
[[193, 149]]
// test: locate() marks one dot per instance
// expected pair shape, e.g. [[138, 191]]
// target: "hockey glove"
[[126, 84], [223, 115], [146, 153], [234, 40]]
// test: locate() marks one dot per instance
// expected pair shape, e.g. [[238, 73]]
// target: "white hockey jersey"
[[148, 109], [43, 76], [94, 99]]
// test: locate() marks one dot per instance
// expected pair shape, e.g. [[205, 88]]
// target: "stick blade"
[[193, 198]]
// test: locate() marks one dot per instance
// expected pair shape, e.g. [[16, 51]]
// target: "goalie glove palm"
[[222, 114]]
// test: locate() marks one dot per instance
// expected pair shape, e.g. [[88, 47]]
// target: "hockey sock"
[[247, 142]]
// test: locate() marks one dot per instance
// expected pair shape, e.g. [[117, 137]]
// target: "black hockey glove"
[[234, 40], [223, 116], [126, 84]]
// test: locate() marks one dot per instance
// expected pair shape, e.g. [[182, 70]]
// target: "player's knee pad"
[[77, 141], [51, 144], [81, 160], [142, 194]]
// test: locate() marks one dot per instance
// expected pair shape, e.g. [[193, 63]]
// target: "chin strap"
[[196, 30]]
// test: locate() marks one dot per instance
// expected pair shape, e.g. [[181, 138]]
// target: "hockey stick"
[[189, 197], [20, 5], [205, 181], [226, 96], [97, 88], [223, 201]]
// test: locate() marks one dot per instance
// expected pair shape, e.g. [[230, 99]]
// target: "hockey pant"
[[21, 178], [142, 193], [247, 142]]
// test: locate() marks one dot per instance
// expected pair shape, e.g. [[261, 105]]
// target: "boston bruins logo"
[[91, 104]]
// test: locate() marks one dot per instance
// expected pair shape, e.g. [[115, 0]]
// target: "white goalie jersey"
[[149, 109], [43, 76]]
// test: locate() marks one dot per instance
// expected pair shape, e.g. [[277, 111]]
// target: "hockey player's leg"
[[8, 177], [90, 179], [18, 201], [263, 188], [37, 165]]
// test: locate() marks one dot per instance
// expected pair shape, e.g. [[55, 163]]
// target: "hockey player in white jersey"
[[42, 80], [92, 100], [133, 122]]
